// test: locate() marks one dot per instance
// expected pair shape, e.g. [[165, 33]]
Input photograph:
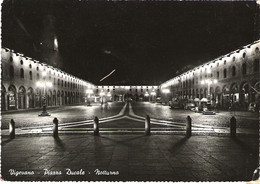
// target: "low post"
[[12, 129], [147, 125], [233, 127], [55, 127], [96, 129], [188, 126]]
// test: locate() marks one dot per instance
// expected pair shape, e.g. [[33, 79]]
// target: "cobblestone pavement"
[[135, 157], [244, 119], [65, 114], [127, 121]]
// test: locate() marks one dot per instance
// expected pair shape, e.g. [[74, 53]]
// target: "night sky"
[[146, 42]]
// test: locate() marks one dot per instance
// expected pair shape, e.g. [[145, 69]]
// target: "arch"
[[234, 92], [30, 94], [3, 98], [21, 98], [49, 98], [54, 99], [38, 97], [244, 94], [11, 97], [58, 98]]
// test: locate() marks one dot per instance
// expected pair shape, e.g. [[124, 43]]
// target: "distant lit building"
[[229, 80], [21, 79], [123, 93]]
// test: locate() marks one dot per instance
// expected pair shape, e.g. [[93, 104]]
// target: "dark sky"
[[146, 42]]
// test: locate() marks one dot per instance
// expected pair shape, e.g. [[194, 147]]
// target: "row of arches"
[[14, 98], [238, 94]]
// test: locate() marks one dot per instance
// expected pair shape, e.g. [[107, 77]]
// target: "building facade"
[[26, 82], [123, 93], [231, 80]]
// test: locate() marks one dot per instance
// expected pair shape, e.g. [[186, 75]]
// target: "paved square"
[[135, 157]]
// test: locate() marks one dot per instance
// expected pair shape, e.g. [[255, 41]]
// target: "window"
[[256, 65], [38, 76], [37, 68], [21, 62], [225, 73], [65, 84], [234, 58], [233, 71], [30, 66], [30, 73], [244, 68], [11, 72], [244, 55], [11, 59], [61, 82], [218, 75], [225, 62], [21, 73], [58, 82], [217, 64], [256, 50]]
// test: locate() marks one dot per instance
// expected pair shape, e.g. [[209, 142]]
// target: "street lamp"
[[44, 84], [209, 82], [102, 94], [89, 92], [166, 92], [153, 93]]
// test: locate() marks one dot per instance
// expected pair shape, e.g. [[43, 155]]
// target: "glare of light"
[[122, 87], [39, 84], [127, 87], [89, 91], [102, 93], [143, 86], [215, 81], [153, 93], [155, 87], [48, 84], [117, 87], [105, 87], [99, 87], [149, 87], [203, 82], [206, 81], [210, 82], [146, 94], [109, 95], [55, 44], [138, 87], [110, 87], [166, 91], [44, 73], [208, 71]]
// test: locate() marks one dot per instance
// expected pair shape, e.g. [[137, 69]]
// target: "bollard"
[[96, 129], [188, 126], [233, 127], [147, 125], [12, 129], [55, 127]]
